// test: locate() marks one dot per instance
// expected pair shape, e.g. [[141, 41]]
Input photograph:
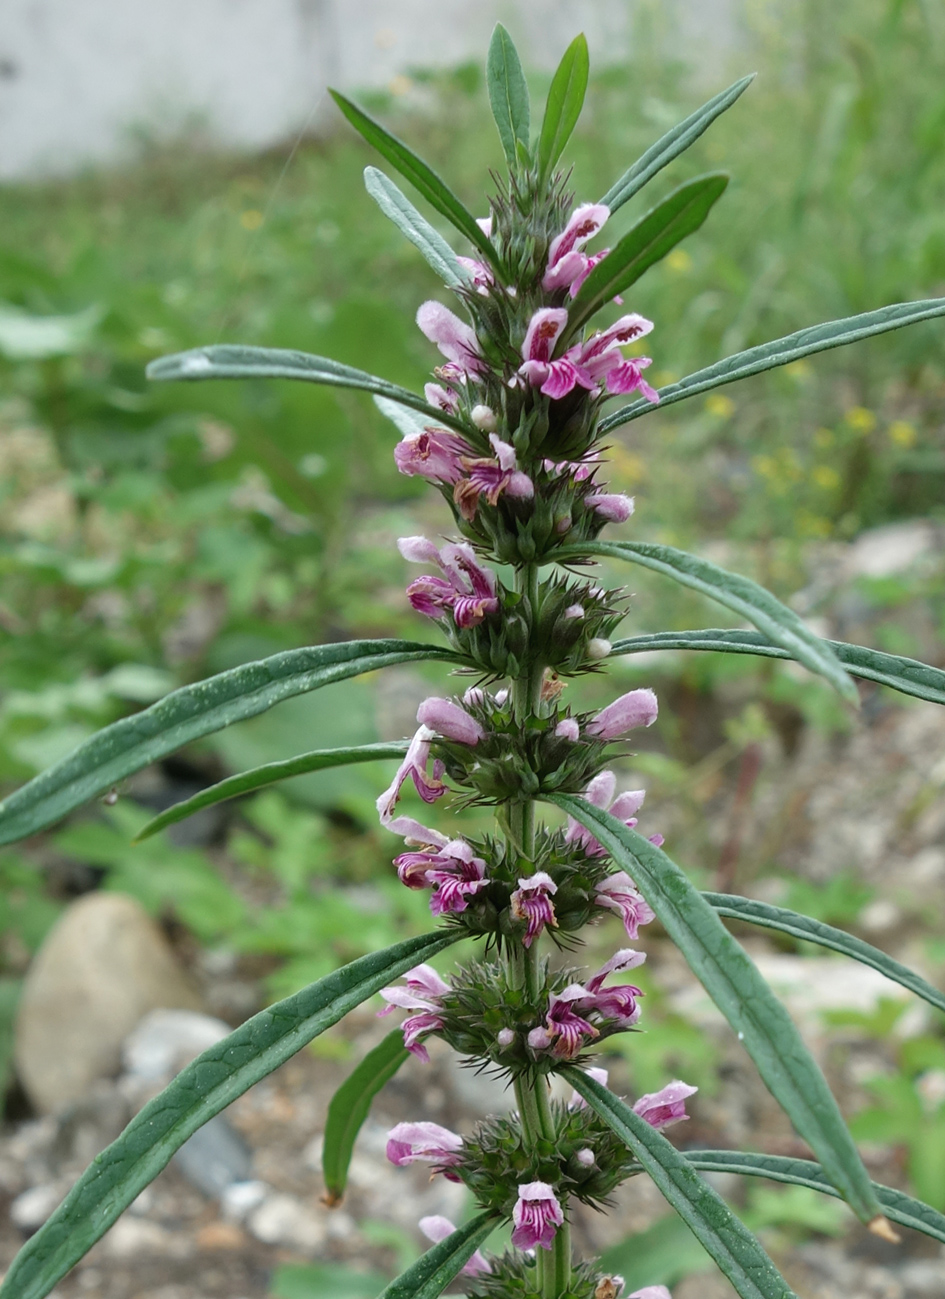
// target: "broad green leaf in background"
[[508, 94], [423, 179], [908, 676], [349, 1108], [189, 713], [730, 978], [434, 1270], [779, 623], [681, 213], [816, 931], [897, 1206], [564, 103], [736, 1251], [395, 205], [228, 361], [782, 351], [245, 781], [672, 144], [204, 1088]]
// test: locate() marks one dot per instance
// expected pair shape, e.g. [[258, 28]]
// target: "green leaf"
[[349, 1108], [408, 422], [779, 623], [647, 242], [508, 94], [730, 1243], [672, 144], [246, 781], [564, 104], [905, 675], [434, 1270], [816, 931], [189, 713], [395, 205], [782, 351], [414, 169], [896, 1206], [730, 978], [201, 1090], [229, 361]]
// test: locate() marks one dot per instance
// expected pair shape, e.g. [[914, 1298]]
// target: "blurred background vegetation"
[[151, 536]]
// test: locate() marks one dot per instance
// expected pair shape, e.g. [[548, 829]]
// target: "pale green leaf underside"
[[564, 103], [672, 144], [896, 1205], [434, 1270], [815, 931], [782, 351], [680, 214], [188, 714], [397, 207], [230, 361], [350, 1105], [779, 623], [908, 676], [407, 422], [258, 777], [508, 93], [732, 981], [204, 1088], [729, 1242]]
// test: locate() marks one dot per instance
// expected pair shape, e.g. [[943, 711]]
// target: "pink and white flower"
[[453, 873], [619, 893], [568, 267], [532, 903], [491, 478], [467, 590], [596, 363], [425, 1143], [635, 708], [455, 339], [650, 1292], [449, 720], [565, 1031], [437, 1228], [666, 1106], [536, 1217], [600, 793], [434, 453], [576, 1015], [555, 378], [423, 994], [429, 786]]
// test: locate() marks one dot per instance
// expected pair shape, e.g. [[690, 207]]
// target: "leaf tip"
[[331, 1199], [882, 1227]]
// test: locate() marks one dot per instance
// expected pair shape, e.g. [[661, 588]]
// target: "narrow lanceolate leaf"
[[228, 361], [564, 104], [508, 94], [905, 675], [349, 1108], [779, 623], [189, 713], [646, 243], [815, 931], [395, 205], [672, 144], [731, 979], [897, 1206], [434, 1270], [259, 777], [782, 351], [202, 1089], [736, 1251], [423, 178]]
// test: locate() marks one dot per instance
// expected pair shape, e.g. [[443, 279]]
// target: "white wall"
[[78, 77]]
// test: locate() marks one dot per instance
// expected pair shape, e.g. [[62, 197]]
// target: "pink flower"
[[564, 1030], [577, 1101], [619, 893], [437, 1228], [554, 378], [434, 454], [666, 1106], [490, 478], [536, 1217], [449, 720], [595, 363], [455, 339], [619, 1002], [600, 793], [413, 767], [480, 275], [531, 902], [613, 508], [437, 395], [636, 708], [567, 266], [467, 590], [453, 872], [423, 993], [426, 1143]]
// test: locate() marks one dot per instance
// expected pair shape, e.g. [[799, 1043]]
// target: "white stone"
[[883, 552], [283, 1220], [31, 1208], [165, 1040]]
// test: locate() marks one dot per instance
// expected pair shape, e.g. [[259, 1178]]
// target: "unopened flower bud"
[[615, 509], [567, 729], [449, 720], [474, 695], [484, 418], [635, 708], [563, 524], [505, 1037], [598, 648], [586, 1157], [574, 611]]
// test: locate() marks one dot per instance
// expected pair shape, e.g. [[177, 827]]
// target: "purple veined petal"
[[480, 274], [434, 454], [565, 271], [437, 1228], [416, 1027], [623, 331], [532, 903], [449, 720], [431, 596], [415, 833], [469, 611], [536, 1217], [535, 372], [418, 550], [455, 339], [425, 980], [584, 223], [589, 263], [428, 1143], [413, 767], [570, 1031], [627, 377], [504, 452], [626, 959], [615, 508], [563, 376], [437, 395], [635, 708], [666, 1106], [544, 330], [619, 893]]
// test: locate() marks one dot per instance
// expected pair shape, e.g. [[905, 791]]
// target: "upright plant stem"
[[531, 1092]]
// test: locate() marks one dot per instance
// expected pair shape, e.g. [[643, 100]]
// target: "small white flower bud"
[[586, 1157], [505, 1037], [598, 648], [574, 611], [484, 418]]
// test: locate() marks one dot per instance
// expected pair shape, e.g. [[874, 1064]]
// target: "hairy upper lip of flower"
[[468, 590]]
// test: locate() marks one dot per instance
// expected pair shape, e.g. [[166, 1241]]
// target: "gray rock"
[[103, 966]]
